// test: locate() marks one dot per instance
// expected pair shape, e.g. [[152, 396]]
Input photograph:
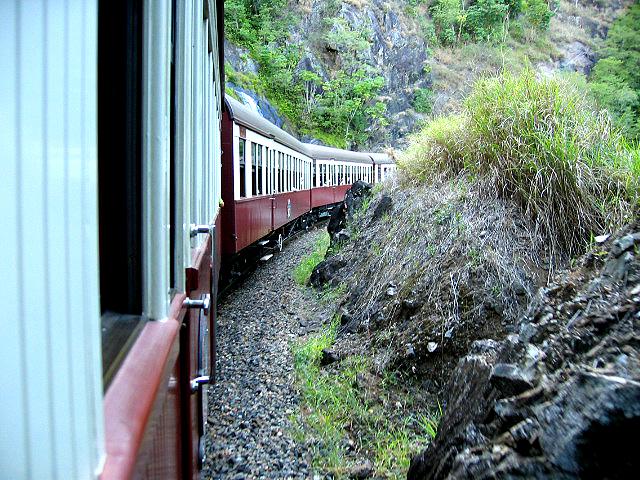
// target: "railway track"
[[250, 433]]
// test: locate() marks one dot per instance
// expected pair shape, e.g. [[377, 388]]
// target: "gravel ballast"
[[249, 434]]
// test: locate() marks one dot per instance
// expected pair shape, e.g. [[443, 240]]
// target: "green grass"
[[304, 269], [337, 413], [543, 144]]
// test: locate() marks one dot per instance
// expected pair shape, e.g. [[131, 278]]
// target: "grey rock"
[[622, 245], [510, 379], [383, 206], [364, 470], [328, 357]]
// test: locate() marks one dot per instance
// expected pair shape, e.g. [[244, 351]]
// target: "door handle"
[[198, 229], [204, 304], [198, 381]]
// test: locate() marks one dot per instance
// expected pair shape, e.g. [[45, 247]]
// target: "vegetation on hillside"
[[303, 271], [615, 80], [340, 110], [346, 419], [543, 144], [485, 20]]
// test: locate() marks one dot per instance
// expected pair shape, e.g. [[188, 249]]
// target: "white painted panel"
[[51, 406], [14, 454], [155, 153], [197, 112], [183, 141]]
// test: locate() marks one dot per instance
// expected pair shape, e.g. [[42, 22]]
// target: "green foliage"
[[447, 18], [347, 107], [304, 269], [542, 144], [336, 413], [615, 80], [423, 100], [342, 110], [485, 20], [537, 13]]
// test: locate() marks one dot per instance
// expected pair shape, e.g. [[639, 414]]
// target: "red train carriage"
[[272, 180], [335, 171], [112, 148], [267, 177], [113, 186]]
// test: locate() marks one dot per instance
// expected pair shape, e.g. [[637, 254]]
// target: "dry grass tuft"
[[540, 143]]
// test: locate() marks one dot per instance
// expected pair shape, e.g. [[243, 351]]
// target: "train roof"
[[320, 152], [243, 115], [381, 158]]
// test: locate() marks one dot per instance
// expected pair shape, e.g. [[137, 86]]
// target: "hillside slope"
[[365, 73], [487, 283]]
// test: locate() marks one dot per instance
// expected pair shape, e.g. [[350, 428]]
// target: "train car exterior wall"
[[56, 421], [51, 401]]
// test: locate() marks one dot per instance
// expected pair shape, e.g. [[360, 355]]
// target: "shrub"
[[542, 144], [484, 16], [486, 19], [537, 13], [446, 18], [423, 100], [615, 80]]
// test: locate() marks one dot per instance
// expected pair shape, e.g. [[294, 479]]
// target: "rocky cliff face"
[[396, 51], [560, 398], [396, 48]]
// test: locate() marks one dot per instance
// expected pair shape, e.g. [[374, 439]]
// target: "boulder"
[[341, 215], [326, 271]]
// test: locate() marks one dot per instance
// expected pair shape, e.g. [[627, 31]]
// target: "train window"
[[242, 147], [119, 178], [267, 185], [259, 186], [294, 173], [284, 172], [265, 169], [268, 188], [254, 186], [287, 186], [274, 181], [280, 172]]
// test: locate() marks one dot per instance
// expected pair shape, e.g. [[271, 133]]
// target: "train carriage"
[[267, 175], [127, 178], [111, 150], [335, 171]]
